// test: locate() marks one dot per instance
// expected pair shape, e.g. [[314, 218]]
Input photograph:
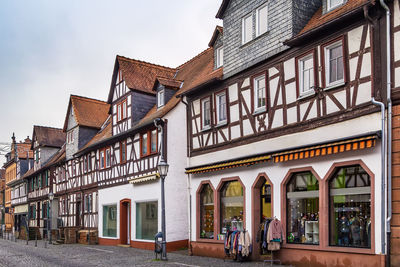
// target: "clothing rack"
[[271, 253]]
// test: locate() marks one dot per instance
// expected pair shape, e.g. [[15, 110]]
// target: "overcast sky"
[[51, 49]]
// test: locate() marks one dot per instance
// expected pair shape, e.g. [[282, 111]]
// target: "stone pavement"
[[20, 254]]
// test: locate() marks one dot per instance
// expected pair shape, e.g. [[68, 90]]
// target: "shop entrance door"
[[125, 222], [262, 211]]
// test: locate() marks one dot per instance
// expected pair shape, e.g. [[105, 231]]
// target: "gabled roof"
[[24, 150], [48, 136], [103, 134], [222, 9], [194, 73], [167, 82], [138, 75], [319, 20], [218, 30], [55, 159], [88, 112]]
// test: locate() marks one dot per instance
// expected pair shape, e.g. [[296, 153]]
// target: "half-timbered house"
[[19, 198], [47, 143], [291, 132], [76, 186]]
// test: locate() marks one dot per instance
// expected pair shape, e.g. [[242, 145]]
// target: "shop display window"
[[110, 221], [302, 193], [350, 208], [207, 212], [266, 205], [146, 220], [232, 207]]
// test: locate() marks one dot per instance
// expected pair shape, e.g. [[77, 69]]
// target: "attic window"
[[247, 28], [332, 4], [261, 20], [220, 56], [160, 98]]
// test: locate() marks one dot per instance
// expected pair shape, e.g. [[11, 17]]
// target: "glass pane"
[[248, 29], [303, 209], [124, 110], [154, 141], [108, 158], [110, 221], [262, 20], [260, 92], [207, 212], [350, 208], [144, 144], [221, 107], [102, 159], [146, 220], [231, 207], [206, 113], [266, 207]]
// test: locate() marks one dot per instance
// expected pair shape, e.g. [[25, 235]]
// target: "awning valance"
[[229, 164], [326, 149], [144, 178]]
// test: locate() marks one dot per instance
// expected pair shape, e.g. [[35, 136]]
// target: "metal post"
[[164, 249], [51, 217]]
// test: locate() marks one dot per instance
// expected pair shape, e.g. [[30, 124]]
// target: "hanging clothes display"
[[237, 245]]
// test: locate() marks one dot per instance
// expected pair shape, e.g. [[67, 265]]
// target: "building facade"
[[294, 135]]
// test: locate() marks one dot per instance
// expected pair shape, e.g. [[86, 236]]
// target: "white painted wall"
[[277, 172], [360, 125]]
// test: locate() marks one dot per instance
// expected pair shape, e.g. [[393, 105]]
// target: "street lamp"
[[163, 171], [51, 197]]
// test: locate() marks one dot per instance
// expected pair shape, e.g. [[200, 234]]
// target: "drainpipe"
[[189, 195], [383, 170], [389, 129]]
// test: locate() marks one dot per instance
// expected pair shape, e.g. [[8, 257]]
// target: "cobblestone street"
[[20, 254]]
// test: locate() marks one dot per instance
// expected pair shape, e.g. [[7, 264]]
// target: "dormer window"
[[332, 4], [220, 56], [247, 28], [122, 110], [70, 137], [261, 20], [160, 98]]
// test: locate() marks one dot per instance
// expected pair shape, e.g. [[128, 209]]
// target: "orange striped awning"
[[326, 149], [229, 164]]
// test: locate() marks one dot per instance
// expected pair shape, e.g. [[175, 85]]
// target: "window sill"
[[334, 86], [367, 251], [306, 95], [205, 129], [206, 240], [243, 45], [222, 123], [259, 111]]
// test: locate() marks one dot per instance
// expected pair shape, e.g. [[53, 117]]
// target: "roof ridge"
[[172, 79], [146, 63], [89, 99], [193, 58], [48, 127]]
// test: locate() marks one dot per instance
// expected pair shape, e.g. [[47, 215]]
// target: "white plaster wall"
[[357, 126], [277, 172], [176, 181]]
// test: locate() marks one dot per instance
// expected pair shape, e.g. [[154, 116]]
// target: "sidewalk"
[[44, 254]]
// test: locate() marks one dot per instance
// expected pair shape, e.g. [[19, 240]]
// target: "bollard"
[[35, 239]]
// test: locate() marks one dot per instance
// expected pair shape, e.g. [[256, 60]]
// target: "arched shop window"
[[207, 212], [302, 193], [350, 208], [232, 207], [266, 193]]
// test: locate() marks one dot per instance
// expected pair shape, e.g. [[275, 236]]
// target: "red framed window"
[[149, 143], [105, 158], [122, 151], [205, 112]]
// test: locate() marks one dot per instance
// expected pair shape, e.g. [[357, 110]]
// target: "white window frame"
[[217, 107], [161, 98], [255, 85], [206, 126], [70, 137], [301, 71], [220, 56], [258, 29], [108, 157], [327, 65], [244, 28], [329, 6]]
